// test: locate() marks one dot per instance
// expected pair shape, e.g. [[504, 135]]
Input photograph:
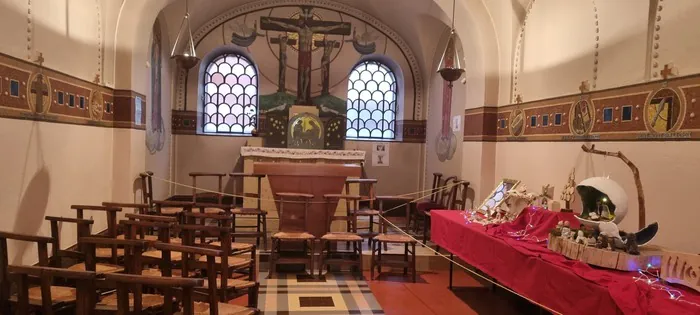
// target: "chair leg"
[[257, 229], [372, 261], [358, 245], [426, 222], [273, 258], [405, 259], [233, 227], [312, 244], [413, 245], [321, 258], [264, 230]]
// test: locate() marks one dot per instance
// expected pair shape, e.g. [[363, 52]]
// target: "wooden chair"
[[42, 242], [367, 184], [109, 255], [292, 233], [261, 215], [209, 256], [172, 208], [379, 258], [136, 229], [236, 264], [207, 202], [330, 240], [441, 194], [135, 302], [80, 300], [447, 200], [147, 188], [383, 225]]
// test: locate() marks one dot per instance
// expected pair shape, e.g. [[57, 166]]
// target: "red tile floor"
[[429, 295]]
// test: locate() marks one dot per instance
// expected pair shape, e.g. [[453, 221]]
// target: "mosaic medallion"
[[664, 111], [305, 131], [96, 105], [39, 91], [581, 117], [517, 122]]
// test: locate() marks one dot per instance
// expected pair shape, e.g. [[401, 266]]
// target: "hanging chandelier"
[[450, 67], [187, 58]]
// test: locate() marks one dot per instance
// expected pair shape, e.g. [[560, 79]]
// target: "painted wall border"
[[608, 121]]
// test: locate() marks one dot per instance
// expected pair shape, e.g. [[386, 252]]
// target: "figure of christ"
[[283, 41], [328, 46], [306, 28]]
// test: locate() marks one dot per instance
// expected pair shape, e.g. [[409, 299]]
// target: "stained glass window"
[[230, 95], [371, 103]]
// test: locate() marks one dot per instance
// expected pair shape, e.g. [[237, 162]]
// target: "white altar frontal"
[[254, 152]]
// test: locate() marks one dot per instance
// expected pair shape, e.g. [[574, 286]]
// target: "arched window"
[[230, 95], [371, 104]]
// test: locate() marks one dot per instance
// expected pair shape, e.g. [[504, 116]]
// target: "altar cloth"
[[521, 261]]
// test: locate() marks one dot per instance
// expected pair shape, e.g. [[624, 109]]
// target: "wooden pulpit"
[[308, 178]]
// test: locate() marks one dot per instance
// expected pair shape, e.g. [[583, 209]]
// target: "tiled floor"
[[395, 294]]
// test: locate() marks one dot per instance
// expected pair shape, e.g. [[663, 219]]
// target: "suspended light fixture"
[[450, 67], [188, 57]]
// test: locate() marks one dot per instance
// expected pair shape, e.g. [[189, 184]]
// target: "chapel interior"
[[349, 157]]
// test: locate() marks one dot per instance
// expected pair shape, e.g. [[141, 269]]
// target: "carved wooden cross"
[[283, 41], [305, 26], [40, 89], [584, 87], [667, 71], [518, 99], [40, 60]]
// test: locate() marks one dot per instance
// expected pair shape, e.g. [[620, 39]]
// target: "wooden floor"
[[430, 295]]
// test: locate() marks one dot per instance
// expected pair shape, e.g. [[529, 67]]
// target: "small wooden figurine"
[[566, 229], [567, 193]]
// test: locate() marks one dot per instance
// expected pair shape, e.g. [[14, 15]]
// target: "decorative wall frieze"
[[654, 111], [184, 122], [412, 131], [28, 91]]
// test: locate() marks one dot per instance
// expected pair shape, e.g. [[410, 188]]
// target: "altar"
[[253, 154]]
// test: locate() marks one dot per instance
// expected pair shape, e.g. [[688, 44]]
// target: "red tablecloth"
[[516, 255]]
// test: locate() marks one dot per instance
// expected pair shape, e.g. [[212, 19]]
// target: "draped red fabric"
[[524, 264]]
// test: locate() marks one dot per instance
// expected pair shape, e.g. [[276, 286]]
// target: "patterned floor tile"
[[332, 294]]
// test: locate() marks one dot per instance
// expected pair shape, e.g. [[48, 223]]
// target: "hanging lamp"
[[450, 67], [188, 57]]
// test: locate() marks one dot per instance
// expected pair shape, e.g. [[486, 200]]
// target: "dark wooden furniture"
[[147, 188], [458, 189], [207, 201], [208, 257], [81, 300], [330, 256], [307, 178], [261, 215], [380, 258], [172, 208], [293, 229], [131, 300], [442, 201], [365, 184]]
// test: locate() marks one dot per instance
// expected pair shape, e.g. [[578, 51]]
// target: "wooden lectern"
[[308, 178]]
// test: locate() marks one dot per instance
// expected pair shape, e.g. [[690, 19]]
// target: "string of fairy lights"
[[649, 275]]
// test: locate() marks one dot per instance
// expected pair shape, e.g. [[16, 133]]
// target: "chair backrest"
[[111, 213], [459, 197], [196, 197], [146, 187], [435, 187], [257, 195], [188, 258], [138, 227], [57, 254], [141, 208], [5, 283], [446, 191], [134, 283], [331, 205], [367, 190], [151, 218], [86, 296], [132, 252], [285, 219]]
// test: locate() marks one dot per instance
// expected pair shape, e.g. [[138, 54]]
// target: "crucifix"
[[40, 89], [328, 46], [584, 87], [306, 27], [283, 41]]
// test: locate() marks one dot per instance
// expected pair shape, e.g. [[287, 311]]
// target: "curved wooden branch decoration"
[[635, 172]]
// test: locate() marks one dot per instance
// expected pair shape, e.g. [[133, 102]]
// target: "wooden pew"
[[42, 243]]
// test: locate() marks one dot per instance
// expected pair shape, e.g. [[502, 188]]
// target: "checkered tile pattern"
[[291, 294]]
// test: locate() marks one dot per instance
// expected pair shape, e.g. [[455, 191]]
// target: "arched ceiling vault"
[[473, 23]]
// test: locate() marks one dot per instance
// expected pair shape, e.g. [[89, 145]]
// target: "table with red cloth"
[[516, 255]]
